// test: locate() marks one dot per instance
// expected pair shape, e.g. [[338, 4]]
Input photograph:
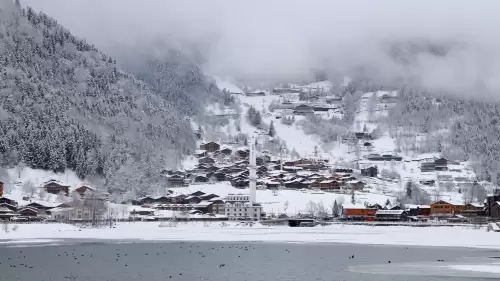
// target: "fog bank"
[[283, 40]]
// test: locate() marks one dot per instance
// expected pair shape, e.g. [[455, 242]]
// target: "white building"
[[238, 207], [243, 206]]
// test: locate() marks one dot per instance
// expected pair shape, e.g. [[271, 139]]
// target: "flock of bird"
[[120, 256], [20, 262]]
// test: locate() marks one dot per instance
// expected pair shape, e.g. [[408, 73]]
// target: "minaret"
[[252, 174]]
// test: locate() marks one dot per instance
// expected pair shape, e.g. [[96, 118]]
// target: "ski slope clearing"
[[232, 231]]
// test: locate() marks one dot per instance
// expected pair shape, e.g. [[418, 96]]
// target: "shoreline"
[[199, 232]]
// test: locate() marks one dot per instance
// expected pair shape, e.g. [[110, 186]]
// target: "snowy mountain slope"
[[371, 112]]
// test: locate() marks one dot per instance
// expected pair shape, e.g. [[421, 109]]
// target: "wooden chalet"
[[330, 185], [242, 153], [55, 188], [83, 190], [444, 208], [192, 200], [391, 215], [303, 109], [370, 172], [219, 176], [197, 193], [209, 196], [356, 185], [8, 201], [441, 164], [200, 153], [206, 160], [29, 212], [162, 200], [6, 213], [175, 180], [418, 210], [8, 206], [200, 179], [226, 151], [210, 146]]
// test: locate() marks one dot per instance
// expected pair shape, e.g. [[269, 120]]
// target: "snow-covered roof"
[[5, 210], [477, 205], [389, 212], [203, 204], [412, 206]]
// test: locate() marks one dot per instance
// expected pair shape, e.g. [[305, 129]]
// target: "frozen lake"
[[238, 261]]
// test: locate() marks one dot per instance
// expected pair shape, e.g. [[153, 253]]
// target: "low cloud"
[[449, 45]]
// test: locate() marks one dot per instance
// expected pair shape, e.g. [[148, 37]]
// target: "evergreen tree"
[[335, 209], [353, 196], [409, 187], [272, 130]]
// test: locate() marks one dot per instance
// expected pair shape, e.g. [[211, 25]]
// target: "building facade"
[[239, 207]]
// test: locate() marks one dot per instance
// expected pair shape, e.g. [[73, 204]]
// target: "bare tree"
[[29, 189], [321, 210], [311, 208], [285, 206]]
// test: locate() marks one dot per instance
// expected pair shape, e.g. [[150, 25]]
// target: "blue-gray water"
[[234, 261]]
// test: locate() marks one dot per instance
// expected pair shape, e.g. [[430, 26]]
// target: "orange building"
[[360, 213], [443, 207]]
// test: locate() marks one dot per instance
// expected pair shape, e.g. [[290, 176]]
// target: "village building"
[[242, 153], [200, 153], [30, 212], [355, 185], [206, 160], [6, 213], [239, 207], [494, 210], [427, 167], [83, 190], [210, 147], [441, 164], [53, 187], [370, 172], [303, 109], [418, 210], [391, 215], [8, 201], [176, 180], [8, 206], [209, 197], [367, 214], [444, 208], [226, 151]]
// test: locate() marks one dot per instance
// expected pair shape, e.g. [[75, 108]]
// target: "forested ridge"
[[64, 104]]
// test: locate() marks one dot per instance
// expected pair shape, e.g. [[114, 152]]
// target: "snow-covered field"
[[398, 235], [297, 201]]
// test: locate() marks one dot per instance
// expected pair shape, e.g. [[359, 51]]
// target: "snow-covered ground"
[[397, 235], [295, 200]]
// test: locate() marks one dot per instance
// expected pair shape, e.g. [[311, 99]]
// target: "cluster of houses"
[[232, 207], [223, 164], [33, 210], [441, 210]]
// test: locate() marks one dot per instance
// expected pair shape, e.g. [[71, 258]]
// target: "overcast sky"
[[285, 39]]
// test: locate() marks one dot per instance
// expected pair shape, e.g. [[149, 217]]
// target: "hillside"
[[65, 105], [328, 134]]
